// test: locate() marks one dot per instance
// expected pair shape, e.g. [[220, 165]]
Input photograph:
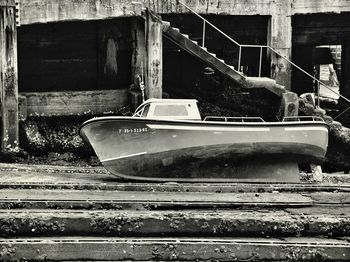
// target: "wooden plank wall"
[[46, 104]]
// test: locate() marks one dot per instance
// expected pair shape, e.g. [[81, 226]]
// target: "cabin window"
[[170, 110], [145, 111]]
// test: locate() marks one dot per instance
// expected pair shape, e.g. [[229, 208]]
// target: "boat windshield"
[[145, 111], [142, 112], [170, 110]]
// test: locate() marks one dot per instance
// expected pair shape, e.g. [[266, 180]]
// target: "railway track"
[[77, 214]]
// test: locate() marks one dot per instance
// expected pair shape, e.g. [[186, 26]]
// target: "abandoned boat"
[[166, 140]]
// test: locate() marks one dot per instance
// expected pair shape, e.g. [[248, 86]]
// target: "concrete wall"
[[279, 29], [291, 22], [320, 6], [80, 55]]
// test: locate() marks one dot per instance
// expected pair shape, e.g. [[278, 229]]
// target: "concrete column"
[[289, 104], [345, 72], [139, 53], [154, 45], [280, 38], [138, 61], [9, 77]]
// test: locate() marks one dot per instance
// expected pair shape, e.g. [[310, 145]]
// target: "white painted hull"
[[182, 150]]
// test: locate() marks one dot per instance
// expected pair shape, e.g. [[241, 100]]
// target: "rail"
[[241, 46], [234, 119], [302, 118]]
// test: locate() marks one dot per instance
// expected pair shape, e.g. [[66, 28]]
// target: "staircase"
[[288, 99], [192, 47]]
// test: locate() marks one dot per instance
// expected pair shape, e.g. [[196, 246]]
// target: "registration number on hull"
[[132, 130]]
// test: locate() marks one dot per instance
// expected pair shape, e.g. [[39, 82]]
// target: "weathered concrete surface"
[[243, 223], [166, 198], [290, 104], [8, 79], [138, 60], [154, 46], [44, 217], [135, 200], [34, 176], [58, 10], [46, 104], [7, 2], [280, 38], [320, 6], [179, 249]]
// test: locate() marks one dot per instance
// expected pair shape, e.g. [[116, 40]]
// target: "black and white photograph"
[[175, 130]]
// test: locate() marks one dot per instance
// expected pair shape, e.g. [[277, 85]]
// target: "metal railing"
[[234, 119], [302, 118], [241, 46]]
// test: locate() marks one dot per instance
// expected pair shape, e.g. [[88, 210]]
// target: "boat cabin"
[[181, 109]]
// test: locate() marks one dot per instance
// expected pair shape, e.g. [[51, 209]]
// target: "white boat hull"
[[200, 150]]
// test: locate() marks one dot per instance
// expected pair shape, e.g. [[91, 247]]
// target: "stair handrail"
[[240, 46]]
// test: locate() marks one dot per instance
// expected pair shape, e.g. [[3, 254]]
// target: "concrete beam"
[[58, 10], [7, 2], [320, 6], [73, 102]]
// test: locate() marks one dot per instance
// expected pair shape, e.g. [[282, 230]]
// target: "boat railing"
[[233, 119], [302, 118]]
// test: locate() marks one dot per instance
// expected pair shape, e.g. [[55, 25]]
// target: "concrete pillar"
[[280, 38], [9, 77], [154, 45], [138, 61], [289, 104], [138, 57], [345, 73]]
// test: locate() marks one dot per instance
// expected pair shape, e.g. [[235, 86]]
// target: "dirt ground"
[[52, 158]]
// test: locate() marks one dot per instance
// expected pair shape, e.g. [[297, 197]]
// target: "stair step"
[[262, 223], [222, 60], [195, 42], [176, 29], [264, 82], [180, 249], [221, 66], [85, 199], [166, 23]]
